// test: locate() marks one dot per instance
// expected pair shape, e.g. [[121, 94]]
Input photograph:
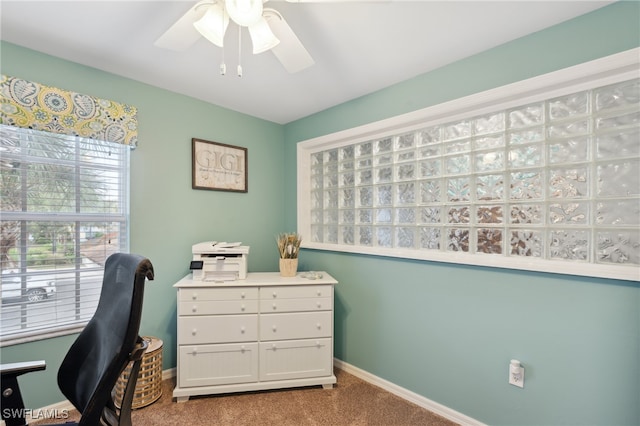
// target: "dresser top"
[[260, 279]]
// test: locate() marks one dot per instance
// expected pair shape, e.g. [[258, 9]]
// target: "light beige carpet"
[[351, 402]]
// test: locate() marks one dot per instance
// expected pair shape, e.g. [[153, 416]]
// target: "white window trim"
[[71, 326], [600, 72]]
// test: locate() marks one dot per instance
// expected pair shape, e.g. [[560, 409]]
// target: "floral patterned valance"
[[35, 106]]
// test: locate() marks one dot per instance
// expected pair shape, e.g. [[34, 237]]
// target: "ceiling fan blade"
[[290, 51], [183, 34]]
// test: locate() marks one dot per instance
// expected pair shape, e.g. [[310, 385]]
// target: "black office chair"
[[93, 364]]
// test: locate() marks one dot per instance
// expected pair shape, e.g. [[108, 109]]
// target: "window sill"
[[584, 269]]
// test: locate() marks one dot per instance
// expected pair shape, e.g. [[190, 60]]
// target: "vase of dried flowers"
[[288, 248]]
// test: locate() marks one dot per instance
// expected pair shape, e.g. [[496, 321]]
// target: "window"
[[64, 211], [541, 175]]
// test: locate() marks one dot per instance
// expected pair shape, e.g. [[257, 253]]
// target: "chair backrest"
[[101, 352]]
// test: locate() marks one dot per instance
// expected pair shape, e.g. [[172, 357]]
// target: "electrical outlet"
[[516, 373]]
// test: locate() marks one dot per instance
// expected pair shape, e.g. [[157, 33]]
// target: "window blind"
[[64, 210]]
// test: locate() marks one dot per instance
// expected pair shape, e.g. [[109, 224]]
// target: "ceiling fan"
[[267, 28]]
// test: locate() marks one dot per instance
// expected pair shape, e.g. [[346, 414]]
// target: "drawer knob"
[[319, 293], [195, 308], [273, 346], [318, 343], [242, 308], [194, 296], [319, 326], [242, 295], [242, 349], [195, 351], [319, 305], [194, 331], [242, 329], [274, 328], [275, 307], [275, 294]]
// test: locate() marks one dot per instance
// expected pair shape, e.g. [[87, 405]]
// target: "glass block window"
[[553, 180]]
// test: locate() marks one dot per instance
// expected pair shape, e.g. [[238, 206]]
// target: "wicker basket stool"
[[149, 385]]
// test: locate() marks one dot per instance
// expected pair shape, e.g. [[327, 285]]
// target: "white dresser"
[[264, 332]]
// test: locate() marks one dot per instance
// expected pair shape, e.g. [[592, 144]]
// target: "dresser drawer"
[[296, 305], [217, 329], [296, 359], [227, 293], [213, 307], [207, 365], [295, 292], [296, 325]]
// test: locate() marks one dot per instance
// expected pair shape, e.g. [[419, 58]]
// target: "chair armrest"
[[18, 368], [13, 411], [139, 349]]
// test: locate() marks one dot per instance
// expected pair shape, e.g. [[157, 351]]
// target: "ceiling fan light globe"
[[213, 24], [244, 12], [262, 37]]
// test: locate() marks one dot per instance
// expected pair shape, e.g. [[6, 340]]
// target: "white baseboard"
[[408, 395], [169, 374], [403, 393]]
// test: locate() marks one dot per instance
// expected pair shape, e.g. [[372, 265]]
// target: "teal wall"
[[167, 216], [446, 332]]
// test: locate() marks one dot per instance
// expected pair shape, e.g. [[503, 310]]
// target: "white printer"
[[219, 261]]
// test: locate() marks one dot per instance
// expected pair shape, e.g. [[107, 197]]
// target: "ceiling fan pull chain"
[[239, 51], [223, 66]]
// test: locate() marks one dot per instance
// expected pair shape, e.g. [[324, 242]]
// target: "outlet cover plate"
[[517, 379]]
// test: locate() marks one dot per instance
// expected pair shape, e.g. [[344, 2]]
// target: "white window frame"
[[86, 279], [600, 72]]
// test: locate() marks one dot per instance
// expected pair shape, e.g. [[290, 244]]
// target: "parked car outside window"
[[38, 288]]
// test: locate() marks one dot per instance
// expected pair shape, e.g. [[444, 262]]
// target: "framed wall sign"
[[218, 167]]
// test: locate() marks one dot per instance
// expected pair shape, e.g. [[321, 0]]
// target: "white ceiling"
[[359, 47]]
